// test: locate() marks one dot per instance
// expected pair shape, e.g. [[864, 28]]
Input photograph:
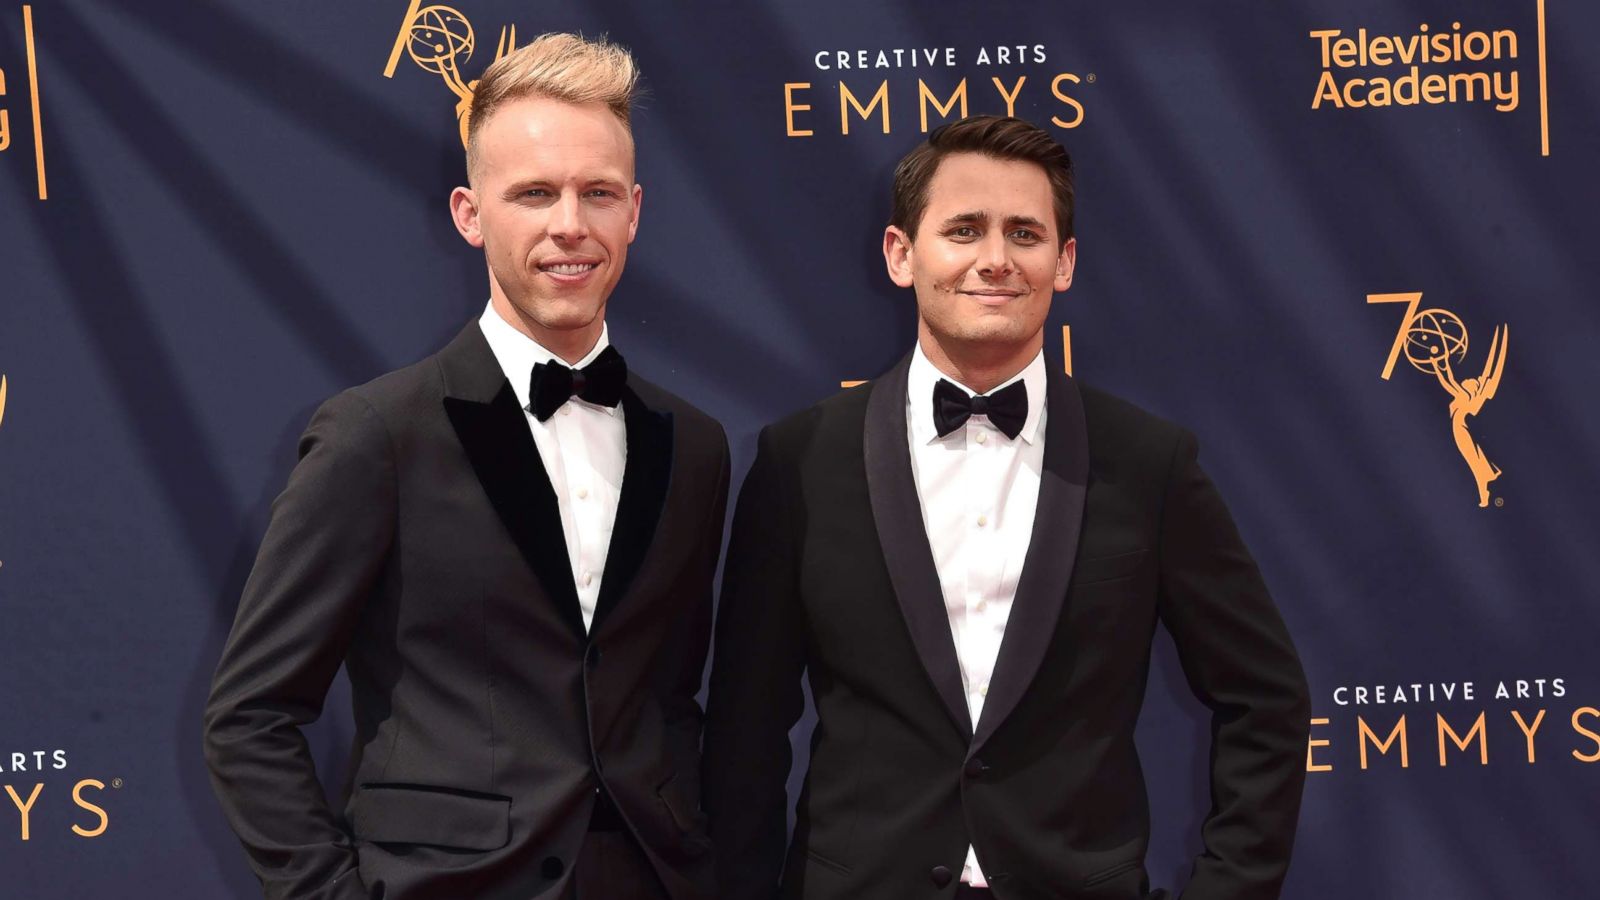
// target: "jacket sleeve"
[[326, 544], [684, 715], [1239, 661], [756, 695]]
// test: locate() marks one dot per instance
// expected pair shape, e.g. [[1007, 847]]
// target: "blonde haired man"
[[510, 547]]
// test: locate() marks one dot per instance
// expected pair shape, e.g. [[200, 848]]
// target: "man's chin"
[[561, 313], [993, 333]]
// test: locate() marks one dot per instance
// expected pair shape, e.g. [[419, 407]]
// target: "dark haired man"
[[968, 557]]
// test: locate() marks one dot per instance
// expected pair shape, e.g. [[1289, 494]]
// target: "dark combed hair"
[[999, 137]]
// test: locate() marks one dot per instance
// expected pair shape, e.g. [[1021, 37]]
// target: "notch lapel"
[[897, 513], [645, 478], [493, 430], [1052, 550]]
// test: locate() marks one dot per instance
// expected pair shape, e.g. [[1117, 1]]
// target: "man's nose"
[[994, 257], [567, 220]]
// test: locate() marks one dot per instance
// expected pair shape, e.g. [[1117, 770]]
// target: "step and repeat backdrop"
[[1351, 244]]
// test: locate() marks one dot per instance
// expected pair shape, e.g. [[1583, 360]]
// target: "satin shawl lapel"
[[1052, 549], [897, 513], [493, 429], [645, 479]]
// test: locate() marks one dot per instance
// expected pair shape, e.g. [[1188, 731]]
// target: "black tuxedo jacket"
[[419, 543], [829, 571]]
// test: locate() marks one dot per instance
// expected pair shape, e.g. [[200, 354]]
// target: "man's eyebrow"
[[596, 181], [518, 187], [1028, 221], [977, 217]]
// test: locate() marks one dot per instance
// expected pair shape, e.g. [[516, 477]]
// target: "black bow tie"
[[600, 383], [1007, 408]]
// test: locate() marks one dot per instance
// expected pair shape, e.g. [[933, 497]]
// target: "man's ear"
[[897, 256], [464, 212], [637, 197], [1065, 263]]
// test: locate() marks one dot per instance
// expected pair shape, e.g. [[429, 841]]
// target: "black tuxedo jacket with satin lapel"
[[419, 542], [830, 571]]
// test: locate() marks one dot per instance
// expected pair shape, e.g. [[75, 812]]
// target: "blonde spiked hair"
[[560, 66]]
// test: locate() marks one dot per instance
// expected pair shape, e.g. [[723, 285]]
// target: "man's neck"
[[570, 346], [980, 367]]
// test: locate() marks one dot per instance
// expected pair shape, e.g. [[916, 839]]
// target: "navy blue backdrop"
[[214, 215]]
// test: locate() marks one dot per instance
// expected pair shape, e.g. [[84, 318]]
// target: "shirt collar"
[[518, 354], [923, 375]]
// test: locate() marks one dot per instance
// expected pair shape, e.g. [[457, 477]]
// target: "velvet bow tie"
[[1007, 408], [600, 382]]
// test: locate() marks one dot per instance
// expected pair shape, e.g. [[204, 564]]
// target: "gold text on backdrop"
[[1428, 65]]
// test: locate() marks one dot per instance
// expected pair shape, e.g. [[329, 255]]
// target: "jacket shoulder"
[[1122, 433], [685, 414], [400, 401], [402, 384], [837, 417]]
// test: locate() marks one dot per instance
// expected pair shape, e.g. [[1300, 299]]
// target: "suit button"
[[594, 657], [941, 876], [551, 868], [975, 767]]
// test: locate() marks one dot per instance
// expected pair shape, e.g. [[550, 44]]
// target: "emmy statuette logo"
[[1435, 343], [439, 39]]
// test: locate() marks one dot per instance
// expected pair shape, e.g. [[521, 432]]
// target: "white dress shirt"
[[978, 490], [584, 448]]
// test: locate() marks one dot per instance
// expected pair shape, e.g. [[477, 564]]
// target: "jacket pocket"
[[823, 861], [434, 816], [1105, 875], [1109, 568]]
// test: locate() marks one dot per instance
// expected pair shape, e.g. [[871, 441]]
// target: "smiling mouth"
[[568, 268], [993, 296]]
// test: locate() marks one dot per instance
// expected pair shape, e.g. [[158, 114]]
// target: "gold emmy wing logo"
[[439, 39], [1435, 342]]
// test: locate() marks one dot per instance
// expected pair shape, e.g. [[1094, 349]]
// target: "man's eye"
[[964, 231], [602, 193], [535, 192], [1023, 234]]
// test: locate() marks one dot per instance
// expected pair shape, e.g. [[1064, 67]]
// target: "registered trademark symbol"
[[1090, 78], [116, 782], [1499, 501]]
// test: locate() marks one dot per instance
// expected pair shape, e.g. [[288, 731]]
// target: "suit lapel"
[[1052, 549], [645, 478], [493, 429], [897, 514]]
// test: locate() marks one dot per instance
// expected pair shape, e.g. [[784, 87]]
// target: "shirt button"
[[566, 410], [983, 689], [982, 521], [982, 436], [981, 605], [583, 493], [588, 579]]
